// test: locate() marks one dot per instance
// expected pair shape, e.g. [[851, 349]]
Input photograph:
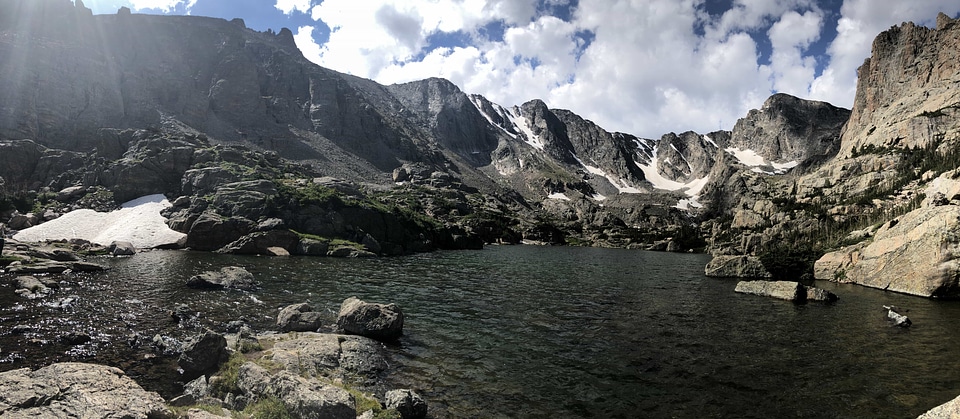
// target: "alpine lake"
[[532, 332]]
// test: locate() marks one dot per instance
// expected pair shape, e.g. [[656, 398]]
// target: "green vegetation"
[[228, 376], [268, 408]]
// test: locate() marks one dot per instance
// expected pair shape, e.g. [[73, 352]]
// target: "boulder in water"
[[898, 319], [299, 318], [203, 354], [228, 277], [376, 321], [410, 404]]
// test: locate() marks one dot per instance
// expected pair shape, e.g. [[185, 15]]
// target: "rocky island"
[[228, 140]]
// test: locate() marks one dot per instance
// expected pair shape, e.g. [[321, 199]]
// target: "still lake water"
[[542, 332]]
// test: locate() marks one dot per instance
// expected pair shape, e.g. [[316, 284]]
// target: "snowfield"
[[138, 222]]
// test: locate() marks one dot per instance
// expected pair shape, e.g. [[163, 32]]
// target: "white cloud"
[[164, 6], [792, 72], [307, 45], [289, 6]]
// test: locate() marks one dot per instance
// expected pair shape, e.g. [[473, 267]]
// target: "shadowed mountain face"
[[73, 81]]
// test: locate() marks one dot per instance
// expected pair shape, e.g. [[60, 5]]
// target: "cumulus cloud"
[[290, 6], [164, 6], [644, 67]]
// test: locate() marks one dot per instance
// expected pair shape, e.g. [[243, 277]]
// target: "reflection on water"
[[540, 332]]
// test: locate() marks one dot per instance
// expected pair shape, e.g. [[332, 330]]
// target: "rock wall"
[[906, 91]]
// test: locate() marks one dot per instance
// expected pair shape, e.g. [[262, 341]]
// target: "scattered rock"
[[203, 354], [228, 277], [30, 287], [377, 321], [166, 345], [898, 319], [299, 318], [819, 294], [410, 404], [304, 398], [122, 248], [77, 390]]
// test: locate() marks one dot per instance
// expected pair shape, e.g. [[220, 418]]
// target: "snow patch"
[[138, 222], [558, 195], [758, 164], [710, 141], [686, 204], [621, 184]]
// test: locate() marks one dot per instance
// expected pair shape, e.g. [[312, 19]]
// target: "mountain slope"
[[76, 81]]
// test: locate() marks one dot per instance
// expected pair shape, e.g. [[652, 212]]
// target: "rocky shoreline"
[[292, 370]]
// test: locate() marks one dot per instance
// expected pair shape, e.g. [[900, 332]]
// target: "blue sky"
[[646, 67]]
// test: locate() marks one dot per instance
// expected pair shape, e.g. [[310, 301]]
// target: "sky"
[[644, 67]]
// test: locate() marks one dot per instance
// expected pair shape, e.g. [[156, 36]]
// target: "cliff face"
[[906, 91]]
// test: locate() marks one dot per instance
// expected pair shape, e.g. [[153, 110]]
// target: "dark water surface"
[[538, 332]]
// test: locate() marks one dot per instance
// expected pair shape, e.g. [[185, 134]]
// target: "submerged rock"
[[376, 321], [228, 277]]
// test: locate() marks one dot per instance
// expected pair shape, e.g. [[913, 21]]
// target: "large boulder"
[[329, 355], [410, 404], [299, 318], [376, 321], [311, 399], [203, 354], [264, 243], [917, 254], [233, 277], [76, 390], [210, 231], [736, 266]]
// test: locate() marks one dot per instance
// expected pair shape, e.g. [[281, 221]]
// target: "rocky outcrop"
[[76, 390], [790, 129], [913, 254], [905, 90], [736, 266], [376, 321]]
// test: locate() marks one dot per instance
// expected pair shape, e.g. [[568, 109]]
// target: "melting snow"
[[138, 222], [515, 116], [621, 184], [758, 163], [558, 195]]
